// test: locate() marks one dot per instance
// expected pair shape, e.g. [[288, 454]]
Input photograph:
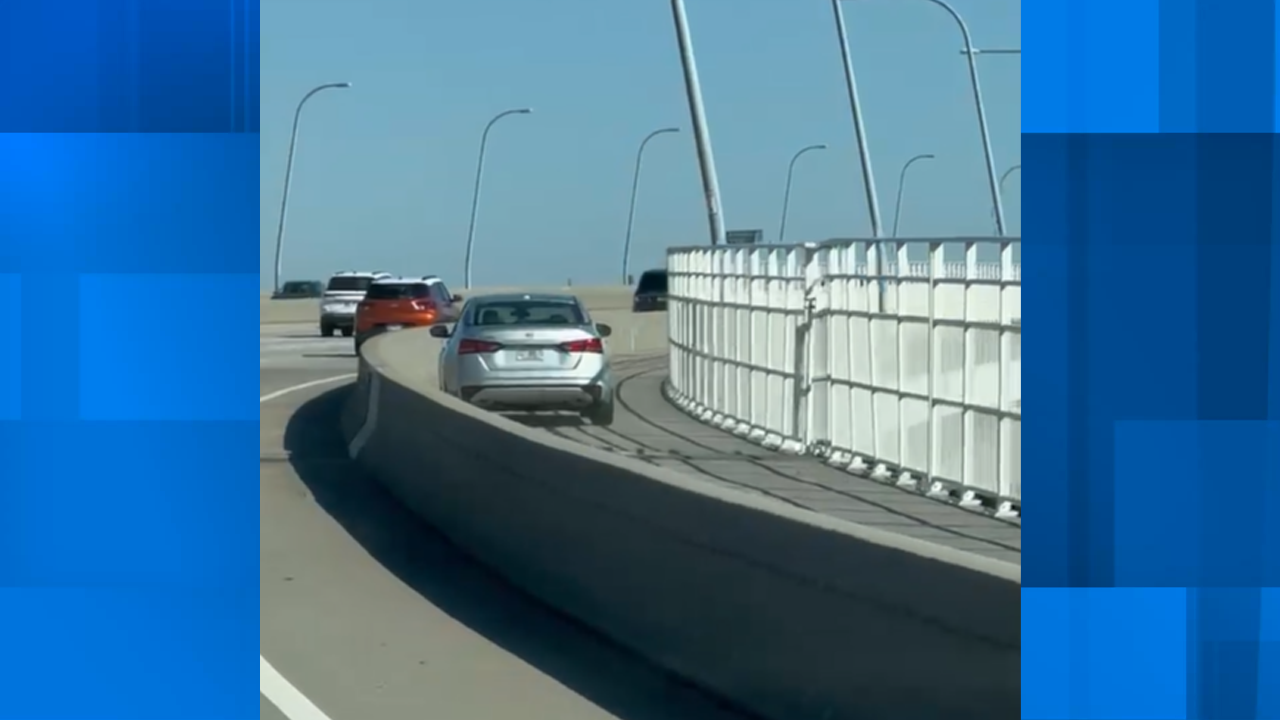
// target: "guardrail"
[[910, 375]]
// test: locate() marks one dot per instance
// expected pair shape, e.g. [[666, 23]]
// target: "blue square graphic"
[[141, 66], [185, 355], [1104, 653], [128, 652], [11, 347], [1174, 526], [115, 203], [1157, 494], [140, 504]]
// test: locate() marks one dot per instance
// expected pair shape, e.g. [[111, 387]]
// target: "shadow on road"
[[425, 560]]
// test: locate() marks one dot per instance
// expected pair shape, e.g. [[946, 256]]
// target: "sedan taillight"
[[590, 345], [477, 347]]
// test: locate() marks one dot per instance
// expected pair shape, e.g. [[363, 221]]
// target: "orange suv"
[[396, 303]]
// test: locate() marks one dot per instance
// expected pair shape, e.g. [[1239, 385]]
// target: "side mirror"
[[604, 330], [439, 331], [457, 298]]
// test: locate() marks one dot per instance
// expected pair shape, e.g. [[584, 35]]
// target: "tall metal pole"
[[288, 178], [786, 192], [475, 194], [902, 180], [860, 133], [972, 58], [706, 161], [635, 187]]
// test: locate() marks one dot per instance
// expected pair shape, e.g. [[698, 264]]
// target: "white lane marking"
[[291, 346], [287, 698], [303, 386], [302, 343]]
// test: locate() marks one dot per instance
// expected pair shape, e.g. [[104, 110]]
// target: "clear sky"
[[384, 171]]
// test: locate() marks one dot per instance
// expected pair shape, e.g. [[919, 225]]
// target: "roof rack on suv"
[[374, 273], [392, 279]]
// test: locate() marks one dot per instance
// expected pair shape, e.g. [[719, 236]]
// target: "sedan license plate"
[[394, 327], [529, 356]]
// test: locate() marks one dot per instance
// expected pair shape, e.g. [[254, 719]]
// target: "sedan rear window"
[[398, 291], [527, 312], [653, 281], [349, 284]]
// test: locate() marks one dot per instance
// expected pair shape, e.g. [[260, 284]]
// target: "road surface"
[[367, 614]]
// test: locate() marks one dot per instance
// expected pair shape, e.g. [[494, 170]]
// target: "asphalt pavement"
[[369, 614]]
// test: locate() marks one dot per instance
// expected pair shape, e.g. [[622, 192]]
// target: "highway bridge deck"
[[651, 429]]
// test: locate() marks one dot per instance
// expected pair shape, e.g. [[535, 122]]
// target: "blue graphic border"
[[128, 221], [1152, 537]]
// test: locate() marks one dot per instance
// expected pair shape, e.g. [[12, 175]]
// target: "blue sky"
[[384, 171]]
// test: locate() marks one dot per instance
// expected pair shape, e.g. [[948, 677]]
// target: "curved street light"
[[475, 195], [635, 187], [1005, 176], [972, 59], [786, 192], [288, 175], [902, 180]]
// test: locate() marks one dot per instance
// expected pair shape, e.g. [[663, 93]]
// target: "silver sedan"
[[528, 353]]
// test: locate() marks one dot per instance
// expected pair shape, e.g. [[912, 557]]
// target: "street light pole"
[[701, 137], [972, 57], [902, 181], [1004, 177], [475, 194], [786, 192], [635, 187], [288, 177], [860, 133]]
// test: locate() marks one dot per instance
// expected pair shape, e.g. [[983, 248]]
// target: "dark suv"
[[651, 292], [299, 290]]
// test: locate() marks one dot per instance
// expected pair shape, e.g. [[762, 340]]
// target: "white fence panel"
[[909, 374]]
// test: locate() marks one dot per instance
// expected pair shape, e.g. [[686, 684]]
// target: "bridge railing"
[[898, 360]]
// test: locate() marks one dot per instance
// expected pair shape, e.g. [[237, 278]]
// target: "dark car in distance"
[[651, 292], [299, 290]]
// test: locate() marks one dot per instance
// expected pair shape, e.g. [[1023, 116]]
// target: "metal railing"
[[911, 375]]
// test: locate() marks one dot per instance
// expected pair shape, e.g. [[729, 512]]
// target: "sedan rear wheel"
[[601, 413]]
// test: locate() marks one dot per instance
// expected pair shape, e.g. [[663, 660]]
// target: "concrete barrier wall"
[[782, 612]]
